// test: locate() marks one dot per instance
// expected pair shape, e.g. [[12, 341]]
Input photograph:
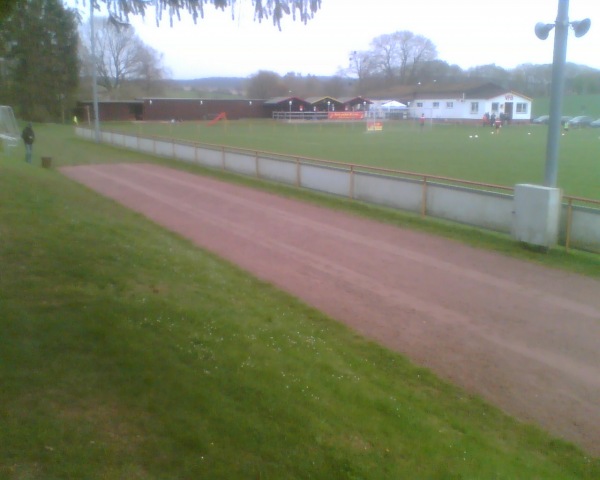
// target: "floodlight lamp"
[[542, 30], [581, 27]]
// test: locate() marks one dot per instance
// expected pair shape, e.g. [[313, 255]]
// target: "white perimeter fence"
[[482, 205]]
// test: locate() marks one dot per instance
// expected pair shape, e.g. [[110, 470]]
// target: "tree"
[[39, 41], [491, 72], [386, 54], [294, 82], [121, 56], [586, 83], [266, 84], [439, 71], [312, 86], [399, 55], [336, 86], [301, 86], [263, 9], [414, 50], [6, 7], [151, 71], [361, 64]]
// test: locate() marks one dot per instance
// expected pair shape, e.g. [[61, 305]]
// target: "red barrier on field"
[[374, 126], [220, 116], [346, 115]]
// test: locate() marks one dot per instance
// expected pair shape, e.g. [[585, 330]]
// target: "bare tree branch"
[[121, 55]]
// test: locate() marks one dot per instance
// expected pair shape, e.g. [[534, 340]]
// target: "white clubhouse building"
[[463, 102]]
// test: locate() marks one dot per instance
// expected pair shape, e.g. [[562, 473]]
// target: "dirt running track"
[[526, 338]]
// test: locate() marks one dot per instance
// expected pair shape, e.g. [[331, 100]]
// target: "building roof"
[[317, 100], [314, 100], [358, 99], [463, 90], [106, 102], [197, 99], [278, 100]]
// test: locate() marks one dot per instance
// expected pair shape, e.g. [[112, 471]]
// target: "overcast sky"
[[465, 32]]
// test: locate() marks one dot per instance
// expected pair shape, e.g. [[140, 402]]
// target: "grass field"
[[128, 353], [517, 155]]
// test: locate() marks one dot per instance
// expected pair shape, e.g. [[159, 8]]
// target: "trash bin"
[[46, 162]]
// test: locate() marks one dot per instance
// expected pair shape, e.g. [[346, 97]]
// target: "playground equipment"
[[220, 116]]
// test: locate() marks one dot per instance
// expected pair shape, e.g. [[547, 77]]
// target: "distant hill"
[[228, 83], [236, 87], [212, 87]]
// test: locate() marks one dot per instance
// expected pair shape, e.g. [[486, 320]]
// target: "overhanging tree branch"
[[302, 10]]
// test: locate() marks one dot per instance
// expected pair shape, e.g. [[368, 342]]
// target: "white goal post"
[[9, 129]]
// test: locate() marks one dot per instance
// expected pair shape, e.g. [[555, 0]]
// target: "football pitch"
[[514, 155]]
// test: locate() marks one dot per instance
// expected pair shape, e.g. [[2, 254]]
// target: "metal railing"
[[580, 201], [569, 201], [300, 115]]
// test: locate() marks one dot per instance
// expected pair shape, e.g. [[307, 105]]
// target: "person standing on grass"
[[497, 124], [28, 137], [422, 121]]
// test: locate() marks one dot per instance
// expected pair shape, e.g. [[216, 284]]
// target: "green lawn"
[[517, 155], [128, 353]]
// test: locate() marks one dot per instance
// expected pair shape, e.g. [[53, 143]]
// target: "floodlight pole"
[[556, 96], [94, 75]]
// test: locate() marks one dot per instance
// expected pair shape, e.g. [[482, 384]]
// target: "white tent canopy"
[[393, 105], [388, 109]]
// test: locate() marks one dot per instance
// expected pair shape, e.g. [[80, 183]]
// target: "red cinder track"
[[525, 337]]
